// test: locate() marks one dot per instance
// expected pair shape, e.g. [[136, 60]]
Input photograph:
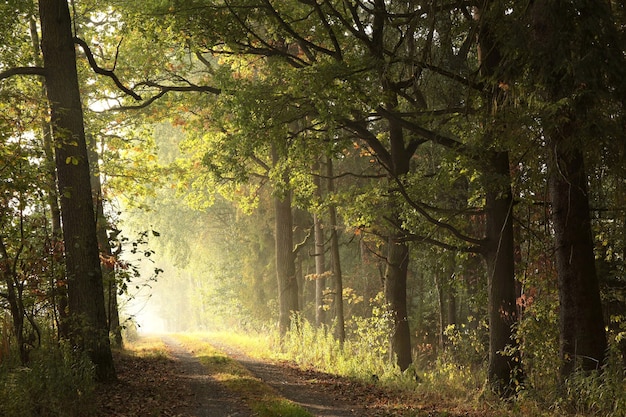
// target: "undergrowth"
[[57, 382], [457, 375]]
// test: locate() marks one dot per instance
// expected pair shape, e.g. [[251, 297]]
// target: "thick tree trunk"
[[395, 295], [398, 254], [89, 330], [582, 335], [285, 263]]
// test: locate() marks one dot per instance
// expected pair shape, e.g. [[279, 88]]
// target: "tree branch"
[[164, 89], [447, 226], [435, 242], [11, 72], [421, 131], [102, 71]]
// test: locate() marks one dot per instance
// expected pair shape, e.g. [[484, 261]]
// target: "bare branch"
[[446, 226], [98, 70], [164, 89]]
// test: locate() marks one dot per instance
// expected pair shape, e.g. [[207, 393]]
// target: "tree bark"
[[582, 335], [395, 295], [398, 252], [499, 256], [85, 290], [57, 276]]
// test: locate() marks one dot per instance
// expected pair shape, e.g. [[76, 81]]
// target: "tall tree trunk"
[[499, 250], [340, 330], [57, 275], [89, 330], [320, 259], [398, 252], [285, 257], [582, 335], [499, 255], [395, 295]]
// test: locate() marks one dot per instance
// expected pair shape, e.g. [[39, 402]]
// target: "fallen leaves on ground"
[[146, 386], [152, 386]]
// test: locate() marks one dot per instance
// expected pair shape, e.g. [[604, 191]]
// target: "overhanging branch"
[[11, 72], [164, 89], [108, 73]]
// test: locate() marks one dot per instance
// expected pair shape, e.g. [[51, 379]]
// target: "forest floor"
[[172, 382]]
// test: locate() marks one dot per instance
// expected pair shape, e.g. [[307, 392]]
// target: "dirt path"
[[317, 392], [208, 398], [175, 384]]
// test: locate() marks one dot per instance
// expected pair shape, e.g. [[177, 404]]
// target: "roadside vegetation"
[[453, 381]]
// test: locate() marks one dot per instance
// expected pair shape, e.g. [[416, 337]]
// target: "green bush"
[[56, 383]]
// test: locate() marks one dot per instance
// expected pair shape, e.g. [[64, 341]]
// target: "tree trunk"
[[85, 290], [320, 270], [14, 298], [395, 295], [441, 297], [340, 330], [499, 250], [582, 338], [285, 257], [582, 335], [320, 260], [499, 255], [398, 253], [57, 276]]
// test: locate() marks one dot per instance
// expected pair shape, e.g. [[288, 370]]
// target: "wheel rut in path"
[[209, 397], [306, 390]]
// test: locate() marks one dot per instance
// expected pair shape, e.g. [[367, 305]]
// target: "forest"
[[428, 195]]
